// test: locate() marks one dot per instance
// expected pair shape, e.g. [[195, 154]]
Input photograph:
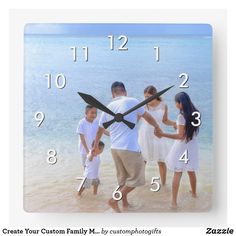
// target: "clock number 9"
[[39, 116], [51, 158], [155, 181], [197, 117], [74, 53], [185, 76], [117, 194], [122, 46], [60, 81]]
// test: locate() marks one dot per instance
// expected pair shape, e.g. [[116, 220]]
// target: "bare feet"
[[114, 205], [194, 195], [174, 206]]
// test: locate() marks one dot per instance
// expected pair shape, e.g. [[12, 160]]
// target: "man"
[[130, 166]]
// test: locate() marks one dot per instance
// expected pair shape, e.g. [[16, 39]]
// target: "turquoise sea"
[[136, 67]]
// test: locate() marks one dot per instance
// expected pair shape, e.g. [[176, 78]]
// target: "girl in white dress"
[[152, 147], [183, 155]]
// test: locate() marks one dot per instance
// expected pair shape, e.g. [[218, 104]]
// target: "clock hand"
[[155, 96], [94, 102], [121, 116]]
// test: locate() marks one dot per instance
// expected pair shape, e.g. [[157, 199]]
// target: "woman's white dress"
[[179, 148], [152, 147]]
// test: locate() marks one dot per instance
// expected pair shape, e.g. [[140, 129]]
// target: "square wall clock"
[[118, 118]]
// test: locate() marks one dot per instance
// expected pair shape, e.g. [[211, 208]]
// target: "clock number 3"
[[123, 44], [197, 117]]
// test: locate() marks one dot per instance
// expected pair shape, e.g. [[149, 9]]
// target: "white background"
[[121, 4]]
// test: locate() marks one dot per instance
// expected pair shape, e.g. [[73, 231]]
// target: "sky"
[[97, 29]]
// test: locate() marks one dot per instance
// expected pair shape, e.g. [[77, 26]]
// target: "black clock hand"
[[121, 116], [155, 96], [94, 102]]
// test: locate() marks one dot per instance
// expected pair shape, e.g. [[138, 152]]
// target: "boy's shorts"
[[130, 167], [89, 182]]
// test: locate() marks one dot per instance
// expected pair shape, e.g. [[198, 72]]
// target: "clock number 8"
[[122, 46], [51, 158]]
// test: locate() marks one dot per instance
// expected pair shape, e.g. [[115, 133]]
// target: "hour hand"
[[117, 117], [94, 102]]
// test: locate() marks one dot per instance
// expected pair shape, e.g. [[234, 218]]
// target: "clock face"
[[68, 66]]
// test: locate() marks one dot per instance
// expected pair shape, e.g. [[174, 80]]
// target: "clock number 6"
[[155, 181], [39, 116], [184, 83], [122, 46], [117, 194]]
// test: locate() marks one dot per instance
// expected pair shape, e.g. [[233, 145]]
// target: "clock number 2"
[[60, 81], [123, 44], [185, 80]]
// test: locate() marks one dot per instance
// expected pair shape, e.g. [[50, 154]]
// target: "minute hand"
[[155, 96]]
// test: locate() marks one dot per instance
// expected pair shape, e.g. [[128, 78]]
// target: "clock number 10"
[[123, 44], [60, 81]]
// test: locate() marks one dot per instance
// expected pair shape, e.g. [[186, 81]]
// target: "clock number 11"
[[75, 54]]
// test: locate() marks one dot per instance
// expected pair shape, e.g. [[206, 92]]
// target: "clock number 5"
[[123, 44], [185, 80], [155, 181]]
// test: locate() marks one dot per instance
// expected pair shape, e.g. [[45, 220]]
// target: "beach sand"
[[54, 189]]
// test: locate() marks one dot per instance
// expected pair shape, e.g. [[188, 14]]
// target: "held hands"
[[158, 132]]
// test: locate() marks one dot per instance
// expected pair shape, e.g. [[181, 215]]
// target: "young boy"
[[87, 129], [91, 171]]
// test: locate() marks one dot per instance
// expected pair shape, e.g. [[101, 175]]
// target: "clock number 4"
[[184, 157], [185, 78], [120, 38], [75, 53], [60, 81], [155, 181]]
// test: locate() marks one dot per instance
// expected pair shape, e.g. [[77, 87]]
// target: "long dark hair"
[[187, 110]]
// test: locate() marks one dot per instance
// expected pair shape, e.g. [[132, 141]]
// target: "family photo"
[[118, 118]]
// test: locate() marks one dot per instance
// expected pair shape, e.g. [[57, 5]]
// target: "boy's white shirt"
[[89, 130], [92, 166]]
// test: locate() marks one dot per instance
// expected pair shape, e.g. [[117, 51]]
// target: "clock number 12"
[[123, 44]]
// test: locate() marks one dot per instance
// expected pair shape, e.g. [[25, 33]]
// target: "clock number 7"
[[82, 182], [75, 54]]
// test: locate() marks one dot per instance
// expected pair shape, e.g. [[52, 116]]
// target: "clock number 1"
[[157, 49], [123, 44]]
